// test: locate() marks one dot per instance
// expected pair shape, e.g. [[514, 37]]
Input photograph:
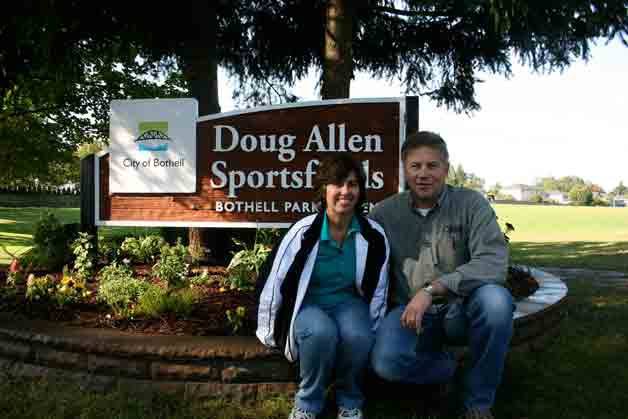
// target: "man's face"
[[425, 172]]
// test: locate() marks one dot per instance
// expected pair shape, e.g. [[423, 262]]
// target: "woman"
[[323, 292]]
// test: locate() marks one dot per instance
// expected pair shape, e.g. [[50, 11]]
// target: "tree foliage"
[[621, 189], [435, 48], [581, 194], [566, 184], [457, 176], [60, 66]]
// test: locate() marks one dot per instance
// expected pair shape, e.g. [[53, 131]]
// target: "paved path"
[[597, 277]]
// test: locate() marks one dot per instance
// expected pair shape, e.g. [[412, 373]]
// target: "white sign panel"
[[153, 146]]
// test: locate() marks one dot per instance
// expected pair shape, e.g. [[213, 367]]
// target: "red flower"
[[15, 266]]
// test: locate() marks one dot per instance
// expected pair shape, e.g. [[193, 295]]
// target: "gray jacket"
[[458, 242]]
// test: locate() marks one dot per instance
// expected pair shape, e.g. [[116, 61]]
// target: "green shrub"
[[52, 242], [143, 249], [152, 301], [156, 301], [115, 271], [171, 266], [109, 248], [122, 294]]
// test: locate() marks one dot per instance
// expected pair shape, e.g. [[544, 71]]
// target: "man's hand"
[[413, 314]]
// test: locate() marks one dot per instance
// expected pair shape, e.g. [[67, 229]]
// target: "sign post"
[[251, 168]]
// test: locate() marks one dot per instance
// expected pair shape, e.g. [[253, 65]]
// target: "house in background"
[[521, 192], [557, 196], [620, 201]]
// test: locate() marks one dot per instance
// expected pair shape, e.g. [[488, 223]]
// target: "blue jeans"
[[483, 321], [337, 340]]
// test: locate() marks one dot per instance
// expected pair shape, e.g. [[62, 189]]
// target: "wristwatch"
[[429, 289]]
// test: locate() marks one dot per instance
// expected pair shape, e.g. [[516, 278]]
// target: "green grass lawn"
[[581, 374], [595, 238], [554, 223], [564, 236]]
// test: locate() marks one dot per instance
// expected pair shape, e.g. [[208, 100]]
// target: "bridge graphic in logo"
[[153, 136]]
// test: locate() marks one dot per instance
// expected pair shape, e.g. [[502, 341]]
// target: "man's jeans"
[[483, 321], [338, 339]]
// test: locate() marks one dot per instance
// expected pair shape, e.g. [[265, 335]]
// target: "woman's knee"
[[324, 333]]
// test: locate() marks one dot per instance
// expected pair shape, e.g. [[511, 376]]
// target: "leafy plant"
[[171, 266], [122, 294], [115, 271], [52, 242], [236, 318], [84, 253], [144, 249], [151, 302], [156, 301], [246, 263], [202, 279], [109, 248]]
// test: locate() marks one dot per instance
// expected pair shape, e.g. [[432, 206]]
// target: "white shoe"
[[344, 413], [301, 414]]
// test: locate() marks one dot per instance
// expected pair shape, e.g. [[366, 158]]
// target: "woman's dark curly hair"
[[334, 170]]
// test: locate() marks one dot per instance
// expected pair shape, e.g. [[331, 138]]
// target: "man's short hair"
[[424, 139]]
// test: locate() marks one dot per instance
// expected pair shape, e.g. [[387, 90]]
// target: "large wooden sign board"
[[254, 168]]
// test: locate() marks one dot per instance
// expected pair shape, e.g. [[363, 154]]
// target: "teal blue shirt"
[[333, 277]]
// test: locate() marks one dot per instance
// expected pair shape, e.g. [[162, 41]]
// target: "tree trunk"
[[337, 51], [200, 68]]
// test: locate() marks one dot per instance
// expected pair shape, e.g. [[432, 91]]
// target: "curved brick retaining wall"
[[199, 367]]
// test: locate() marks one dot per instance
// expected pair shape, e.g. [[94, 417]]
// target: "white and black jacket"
[[284, 280]]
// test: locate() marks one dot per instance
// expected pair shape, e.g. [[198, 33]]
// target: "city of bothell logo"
[[153, 136]]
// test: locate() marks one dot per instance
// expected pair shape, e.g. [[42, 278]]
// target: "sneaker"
[[301, 414], [477, 414], [344, 413]]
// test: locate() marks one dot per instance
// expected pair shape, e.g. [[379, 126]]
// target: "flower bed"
[[206, 316]]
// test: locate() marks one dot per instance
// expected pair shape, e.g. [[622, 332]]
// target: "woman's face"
[[342, 198]]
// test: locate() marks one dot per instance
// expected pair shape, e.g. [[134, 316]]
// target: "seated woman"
[[323, 292]]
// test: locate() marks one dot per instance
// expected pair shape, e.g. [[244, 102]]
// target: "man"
[[449, 261]]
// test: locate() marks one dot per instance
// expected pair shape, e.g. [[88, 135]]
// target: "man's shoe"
[[301, 414], [344, 413], [477, 414]]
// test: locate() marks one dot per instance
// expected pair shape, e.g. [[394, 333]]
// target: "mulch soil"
[[208, 317]]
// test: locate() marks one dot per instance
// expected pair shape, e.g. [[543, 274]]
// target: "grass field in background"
[[554, 223], [562, 236], [565, 236]]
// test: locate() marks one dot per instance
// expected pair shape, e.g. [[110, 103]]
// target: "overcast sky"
[[531, 125]]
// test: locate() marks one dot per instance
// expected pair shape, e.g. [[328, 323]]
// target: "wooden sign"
[[255, 168]]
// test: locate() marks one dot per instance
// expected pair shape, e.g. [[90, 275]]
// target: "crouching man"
[[449, 261]]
